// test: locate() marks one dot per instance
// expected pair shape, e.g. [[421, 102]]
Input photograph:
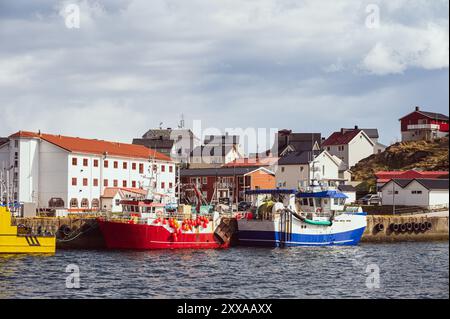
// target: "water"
[[407, 270]]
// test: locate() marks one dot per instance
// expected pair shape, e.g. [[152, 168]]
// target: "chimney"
[[417, 108], [356, 127], [342, 131]]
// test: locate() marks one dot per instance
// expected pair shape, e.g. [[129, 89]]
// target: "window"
[[105, 183], [133, 166], [125, 165], [105, 164], [116, 183], [170, 169], [95, 163], [141, 168], [74, 161], [170, 185], [301, 168], [56, 202], [124, 183], [95, 182], [416, 192], [84, 203], [323, 170], [282, 169], [74, 181], [16, 143], [85, 162], [133, 184], [16, 155], [16, 164], [205, 180], [163, 168], [163, 185], [74, 203], [85, 182], [95, 203], [116, 164], [328, 148]]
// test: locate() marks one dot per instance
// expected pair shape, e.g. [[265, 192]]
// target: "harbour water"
[[406, 270]]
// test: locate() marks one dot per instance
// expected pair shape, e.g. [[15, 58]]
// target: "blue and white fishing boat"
[[286, 218]]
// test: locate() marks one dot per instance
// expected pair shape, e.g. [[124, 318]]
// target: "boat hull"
[[13, 243], [347, 230], [121, 235]]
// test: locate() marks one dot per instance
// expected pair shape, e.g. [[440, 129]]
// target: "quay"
[[83, 232]]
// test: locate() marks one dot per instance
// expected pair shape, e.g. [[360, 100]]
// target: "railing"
[[423, 127]]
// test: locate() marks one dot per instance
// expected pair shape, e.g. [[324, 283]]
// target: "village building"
[[55, 171], [426, 193], [217, 151], [384, 177], [286, 141], [112, 197], [374, 136], [349, 191], [350, 147], [175, 143], [224, 184], [422, 125], [298, 170]]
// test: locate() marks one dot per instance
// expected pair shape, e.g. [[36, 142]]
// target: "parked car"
[[244, 206], [370, 199]]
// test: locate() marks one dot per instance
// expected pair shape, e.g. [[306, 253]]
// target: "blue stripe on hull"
[[276, 239]]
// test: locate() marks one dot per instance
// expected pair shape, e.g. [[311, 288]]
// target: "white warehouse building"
[[54, 171], [428, 193]]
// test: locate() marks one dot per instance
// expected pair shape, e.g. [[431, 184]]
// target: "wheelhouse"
[[326, 201]]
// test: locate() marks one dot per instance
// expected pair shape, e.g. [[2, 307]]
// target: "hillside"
[[421, 155]]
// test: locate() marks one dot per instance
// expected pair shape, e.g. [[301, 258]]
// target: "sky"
[[306, 65]]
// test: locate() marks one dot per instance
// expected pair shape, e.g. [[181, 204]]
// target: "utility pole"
[[393, 197]]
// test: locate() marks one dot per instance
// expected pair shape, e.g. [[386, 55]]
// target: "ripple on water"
[[407, 270]]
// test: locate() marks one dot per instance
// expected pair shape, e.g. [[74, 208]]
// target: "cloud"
[[307, 65]]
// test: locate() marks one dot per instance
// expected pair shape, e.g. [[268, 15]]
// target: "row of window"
[[116, 165], [412, 192], [84, 203], [95, 183]]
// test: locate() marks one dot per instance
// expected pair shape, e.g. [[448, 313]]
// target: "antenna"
[[161, 125], [181, 125]]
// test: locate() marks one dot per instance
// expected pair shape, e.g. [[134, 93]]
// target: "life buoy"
[[379, 227], [429, 225], [416, 227], [395, 227], [423, 227]]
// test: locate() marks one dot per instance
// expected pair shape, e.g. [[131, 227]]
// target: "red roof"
[[252, 162], [386, 176], [91, 146], [110, 192], [341, 138]]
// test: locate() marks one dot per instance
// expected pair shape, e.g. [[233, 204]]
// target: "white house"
[[349, 191], [427, 193], [54, 171], [351, 146], [112, 197], [299, 169]]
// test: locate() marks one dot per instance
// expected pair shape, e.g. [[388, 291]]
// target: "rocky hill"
[[421, 155]]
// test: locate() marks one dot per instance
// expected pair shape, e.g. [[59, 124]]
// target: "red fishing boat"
[[148, 225]]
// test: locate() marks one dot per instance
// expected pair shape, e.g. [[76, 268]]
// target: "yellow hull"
[[12, 243]]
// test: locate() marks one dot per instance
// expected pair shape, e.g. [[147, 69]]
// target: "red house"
[[421, 125]]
